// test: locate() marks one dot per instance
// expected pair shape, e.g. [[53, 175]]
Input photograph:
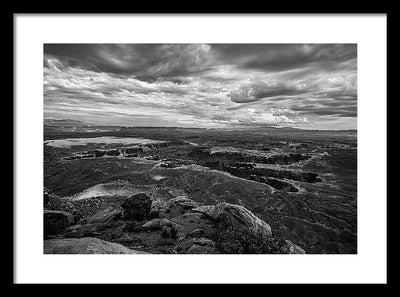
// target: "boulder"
[[101, 230], [74, 228], [197, 233], [177, 206], [290, 248], [157, 205], [86, 245], [183, 201], [198, 249], [199, 245], [235, 216], [208, 210], [183, 245], [56, 221], [105, 215], [157, 224], [202, 241], [137, 207]]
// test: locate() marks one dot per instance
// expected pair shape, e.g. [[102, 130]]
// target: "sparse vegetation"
[[169, 233], [132, 226], [239, 241]]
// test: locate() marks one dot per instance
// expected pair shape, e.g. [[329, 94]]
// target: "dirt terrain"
[[302, 184]]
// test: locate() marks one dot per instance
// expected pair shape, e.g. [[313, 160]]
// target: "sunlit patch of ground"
[[158, 177], [250, 152], [121, 188]]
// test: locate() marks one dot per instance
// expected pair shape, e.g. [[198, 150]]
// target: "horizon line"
[[190, 127]]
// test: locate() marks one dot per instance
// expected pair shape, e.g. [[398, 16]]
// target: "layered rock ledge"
[[143, 224]]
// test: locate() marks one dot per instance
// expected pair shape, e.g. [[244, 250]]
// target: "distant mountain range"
[[64, 122], [291, 129], [76, 123]]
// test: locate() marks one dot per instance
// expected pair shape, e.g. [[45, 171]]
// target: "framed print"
[[207, 141]]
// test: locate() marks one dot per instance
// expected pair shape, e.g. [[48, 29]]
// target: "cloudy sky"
[[310, 86]]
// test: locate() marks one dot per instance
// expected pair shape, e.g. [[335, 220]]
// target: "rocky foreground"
[[139, 224]]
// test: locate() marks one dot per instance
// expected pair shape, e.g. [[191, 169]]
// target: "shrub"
[[132, 227], [169, 233], [105, 226], [166, 242], [240, 241], [173, 233]]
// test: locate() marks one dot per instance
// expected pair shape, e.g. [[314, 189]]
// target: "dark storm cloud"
[[280, 57], [339, 111], [180, 59], [264, 90], [148, 61]]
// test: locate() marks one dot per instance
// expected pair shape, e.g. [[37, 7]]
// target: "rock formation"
[[177, 225], [87, 245], [56, 221], [137, 207]]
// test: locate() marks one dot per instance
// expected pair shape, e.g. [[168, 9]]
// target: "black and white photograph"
[[200, 148]]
